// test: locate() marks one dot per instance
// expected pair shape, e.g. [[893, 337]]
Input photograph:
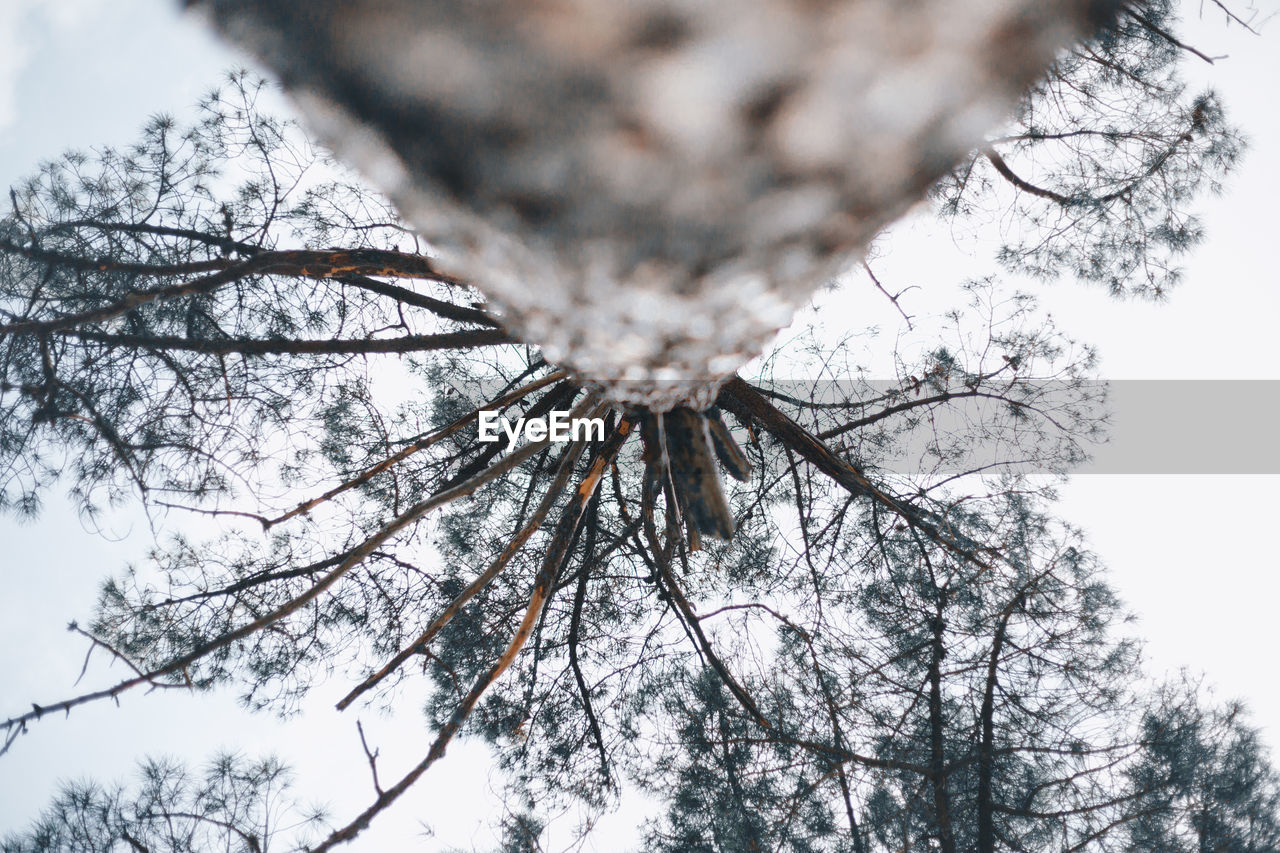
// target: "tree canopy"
[[900, 647]]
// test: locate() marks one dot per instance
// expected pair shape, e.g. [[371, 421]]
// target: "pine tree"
[[218, 320]]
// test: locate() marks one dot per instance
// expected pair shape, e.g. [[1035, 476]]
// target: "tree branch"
[[554, 558], [466, 339], [354, 557], [563, 472]]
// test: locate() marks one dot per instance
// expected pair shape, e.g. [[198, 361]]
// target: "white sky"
[[1192, 555]]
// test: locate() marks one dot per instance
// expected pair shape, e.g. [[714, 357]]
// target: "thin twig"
[[892, 297], [372, 756]]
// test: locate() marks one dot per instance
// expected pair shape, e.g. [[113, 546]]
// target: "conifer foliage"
[[221, 322]]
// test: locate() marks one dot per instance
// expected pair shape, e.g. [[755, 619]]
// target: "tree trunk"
[[937, 733], [648, 190], [986, 754]]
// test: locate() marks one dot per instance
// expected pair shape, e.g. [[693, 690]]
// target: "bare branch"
[[466, 339], [415, 447], [353, 558], [553, 559], [371, 756], [557, 487]]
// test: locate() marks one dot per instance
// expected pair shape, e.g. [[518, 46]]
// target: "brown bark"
[[597, 198], [221, 272], [466, 339]]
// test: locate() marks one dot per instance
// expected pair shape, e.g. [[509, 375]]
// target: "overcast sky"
[[1191, 555]]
